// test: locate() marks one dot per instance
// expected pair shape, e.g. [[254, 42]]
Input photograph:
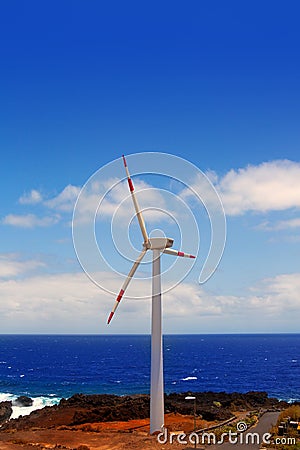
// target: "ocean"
[[50, 367]]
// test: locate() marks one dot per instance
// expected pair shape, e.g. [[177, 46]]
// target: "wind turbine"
[[157, 245]]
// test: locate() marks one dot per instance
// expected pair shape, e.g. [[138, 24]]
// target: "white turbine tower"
[[158, 245]]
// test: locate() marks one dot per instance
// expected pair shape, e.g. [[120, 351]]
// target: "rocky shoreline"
[[81, 409]]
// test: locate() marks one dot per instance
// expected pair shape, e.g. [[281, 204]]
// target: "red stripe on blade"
[[180, 254], [110, 317], [120, 295], [124, 160], [192, 256], [130, 185]]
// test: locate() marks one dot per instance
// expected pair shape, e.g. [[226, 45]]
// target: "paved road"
[[263, 426]]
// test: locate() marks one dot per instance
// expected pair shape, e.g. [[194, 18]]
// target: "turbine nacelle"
[[160, 243]]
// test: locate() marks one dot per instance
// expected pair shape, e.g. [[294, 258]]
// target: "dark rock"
[[119, 408], [23, 400], [218, 414], [80, 408], [89, 401], [5, 411]]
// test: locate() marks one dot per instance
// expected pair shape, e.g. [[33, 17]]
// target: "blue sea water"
[[49, 367]]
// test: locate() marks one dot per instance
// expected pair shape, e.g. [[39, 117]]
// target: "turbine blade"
[[171, 251], [136, 205], [126, 283]]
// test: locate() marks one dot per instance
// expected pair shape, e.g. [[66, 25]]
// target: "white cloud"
[[277, 296], [280, 225], [46, 297], [31, 198], [113, 198], [11, 266], [65, 200], [71, 302], [270, 186], [67, 302], [29, 220], [202, 187], [151, 201]]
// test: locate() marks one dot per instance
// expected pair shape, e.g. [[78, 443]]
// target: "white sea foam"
[[38, 403], [189, 378], [6, 397]]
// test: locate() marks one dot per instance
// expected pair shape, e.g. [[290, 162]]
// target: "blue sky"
[[216, 83]]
